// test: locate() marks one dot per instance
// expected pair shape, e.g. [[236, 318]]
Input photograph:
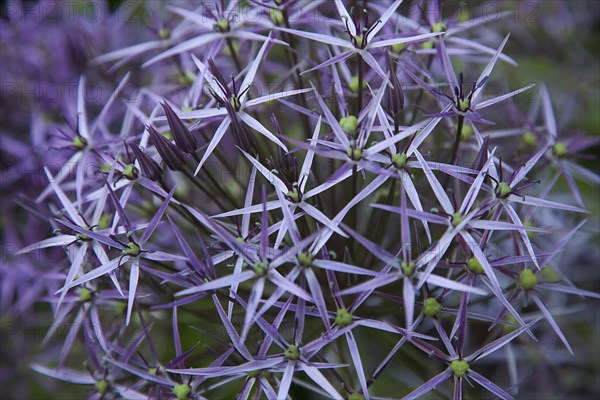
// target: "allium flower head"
[[298, 199]]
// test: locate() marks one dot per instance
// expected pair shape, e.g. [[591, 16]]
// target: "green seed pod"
[[397, 48], [438, 27], [132, 249], [101, 386], [354, 153], [408, 268], [261, 268], [353, 84], [399, 160], [560, 149], [474, 265], [427, 45], [292, 353], [221, 25], [349, 124], [432, 307], [456, 218], [463, 104], [235, 102], [164, 33], [360, 39], [343, 317], [529, 139], [130, 172], [511, 325], [305, 259], [276, 17], [549, 274], [83, 237], [527, 279], [356, 396], [459, 367], [79, 142], [467, 132], [293, 195], [85, 294], [530, 234], [181, 391], [503, 190]]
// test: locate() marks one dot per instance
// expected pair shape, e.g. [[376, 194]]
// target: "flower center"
[[349, 124], [164, 33], [132, 249], [527, 279], [503, 190], [221, 25], [399, 160], [294, 195], [463, 104], [130, 172], [181, 391], [560, 149], [474, 265], [101, 386], [438, 27], [305, 259], [456, 218], [79, 142], [235, 102], [343, 317], [276, 17], [292, 353], [529, 139], [459, 367], [408, 268], [85, 294], [261, 268], [432, 307], [354, 152]]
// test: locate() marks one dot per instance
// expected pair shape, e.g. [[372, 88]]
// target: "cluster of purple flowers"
[[286, 199]]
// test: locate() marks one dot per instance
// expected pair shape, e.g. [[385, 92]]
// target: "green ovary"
[[459, 368], [527, 279]]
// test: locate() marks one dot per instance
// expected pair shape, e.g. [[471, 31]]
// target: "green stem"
[[234, 56], [459, 127], [293, 64], [360, 86]]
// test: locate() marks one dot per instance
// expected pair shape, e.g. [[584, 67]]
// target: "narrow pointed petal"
[[488, 69], [327, 39], [254, 124], [453, 285], [286, 380], [218, 283], [429, 385], [219, 133], [515, 218], [499, 343], [436, 186], [320, 380], [551, 321], [156, 218], [489, 385], [408, 39], [134, 275], [384, 17]]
